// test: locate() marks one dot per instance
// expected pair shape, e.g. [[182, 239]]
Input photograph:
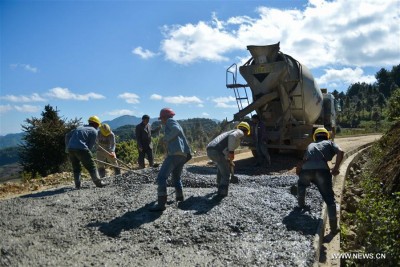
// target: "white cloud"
[[22, 98], [143, 53], [179, 99], [5, 108], [66, 94], [351, 33], [194, 42], [156, 97], [120, 112], [26, 67], [182, 99], [27, 108], [205, 114], [339, 78], [130, 98], [225, 102]]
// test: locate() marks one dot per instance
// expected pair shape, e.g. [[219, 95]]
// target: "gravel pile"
[[256, 225]]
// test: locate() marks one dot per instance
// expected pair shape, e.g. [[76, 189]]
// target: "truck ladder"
[[231, 75]]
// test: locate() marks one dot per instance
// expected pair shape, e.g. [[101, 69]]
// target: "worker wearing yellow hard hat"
[[80, 144], [106, 150], [221, 150], [314, 169]]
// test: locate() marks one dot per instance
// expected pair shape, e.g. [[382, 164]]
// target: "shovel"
[[122, 168], [234, 178], [118, 160]]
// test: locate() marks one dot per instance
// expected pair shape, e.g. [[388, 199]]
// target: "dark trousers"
[[323, 180], [142, 154]]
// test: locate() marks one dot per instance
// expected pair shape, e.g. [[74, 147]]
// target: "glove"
[[231, 155], [113, 154]]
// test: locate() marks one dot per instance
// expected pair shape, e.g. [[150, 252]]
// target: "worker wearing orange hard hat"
[[178, 153]]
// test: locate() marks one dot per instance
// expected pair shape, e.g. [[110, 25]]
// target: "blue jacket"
[[81, 138], [175, 139]]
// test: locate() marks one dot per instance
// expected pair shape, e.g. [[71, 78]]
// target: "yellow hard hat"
[[245, 125], [321, 130], [105, 129], [94, 119]]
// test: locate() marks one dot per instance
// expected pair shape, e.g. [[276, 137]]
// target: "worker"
[[143, 133], [106, 150], [314, 168], [260, 141], [178, 153], [221, 150], [79, 144]]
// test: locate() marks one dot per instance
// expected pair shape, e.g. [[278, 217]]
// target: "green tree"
[[127, 151], [393, 106], [370, 105], [381, 102], [376, 117], [43, 151], [384, 81]]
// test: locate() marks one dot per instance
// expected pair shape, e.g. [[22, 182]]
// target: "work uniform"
[[178, 153], [143, 137], [218, 150], [79, 144], [106, 146], [315, 170], [260, 142]]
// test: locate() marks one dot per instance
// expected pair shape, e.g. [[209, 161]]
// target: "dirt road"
[[256, 225]]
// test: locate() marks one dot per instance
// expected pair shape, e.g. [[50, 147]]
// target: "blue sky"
[[113, 58]]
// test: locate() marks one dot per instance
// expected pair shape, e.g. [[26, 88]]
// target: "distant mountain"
[[11, 140], [126, 120]]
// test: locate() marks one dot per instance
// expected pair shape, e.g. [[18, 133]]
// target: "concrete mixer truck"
[[285, 96]]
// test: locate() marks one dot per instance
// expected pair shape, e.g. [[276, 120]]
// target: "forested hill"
[[11, 140]]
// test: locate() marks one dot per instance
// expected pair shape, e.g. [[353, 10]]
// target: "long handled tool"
[[234, 178], [112, 165], [118, 160], [122, 168]]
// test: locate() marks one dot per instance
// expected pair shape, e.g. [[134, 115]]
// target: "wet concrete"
[[256, 225]]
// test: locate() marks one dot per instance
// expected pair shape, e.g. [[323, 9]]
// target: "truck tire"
[[300, 153]]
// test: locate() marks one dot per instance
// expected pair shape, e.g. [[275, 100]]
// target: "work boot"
[[179, 194], [301, 200], [160, 206], [96, 180], [117, 171], [102, 172], [222, 190], [100, 184], [218, 179], [234, 179], [333, 225], [77, 180], [301, 196]]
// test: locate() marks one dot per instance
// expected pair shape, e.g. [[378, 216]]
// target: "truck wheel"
[[300, 153], [254, 152], [273, 151]]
